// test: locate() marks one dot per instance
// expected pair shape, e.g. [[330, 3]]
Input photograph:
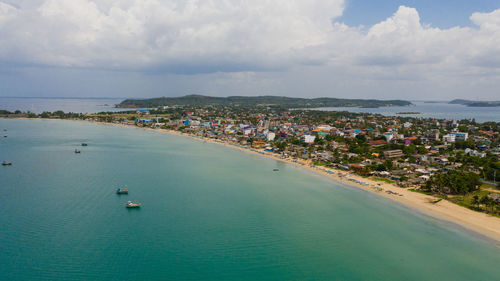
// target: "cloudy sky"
[[416, 49]]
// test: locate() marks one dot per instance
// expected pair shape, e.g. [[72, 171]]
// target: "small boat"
[[131, 204], [276, 169], [77, 151], [5, 163], [84, 144], [4, 136], [122, 191]]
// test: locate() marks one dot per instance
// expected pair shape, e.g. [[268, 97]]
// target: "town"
[[457, 160]]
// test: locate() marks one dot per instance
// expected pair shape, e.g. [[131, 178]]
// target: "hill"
[[476, 103], [273, 101]]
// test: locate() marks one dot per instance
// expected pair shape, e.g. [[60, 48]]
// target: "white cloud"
[[251, 37], [167, 34]]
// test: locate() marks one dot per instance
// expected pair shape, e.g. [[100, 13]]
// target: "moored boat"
[[84, 144], [131, 204], [77, 151], [122, 191]]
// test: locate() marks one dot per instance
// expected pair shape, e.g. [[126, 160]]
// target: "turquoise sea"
[[209, 213]]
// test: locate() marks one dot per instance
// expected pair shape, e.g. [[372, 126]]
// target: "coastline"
[[479, 223], [476, 222]]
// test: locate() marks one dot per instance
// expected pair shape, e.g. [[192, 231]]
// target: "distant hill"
[[476, 103], [273, 101]]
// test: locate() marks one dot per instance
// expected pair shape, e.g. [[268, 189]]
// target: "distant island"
[[270, 101], [409, 112], [476, 103]]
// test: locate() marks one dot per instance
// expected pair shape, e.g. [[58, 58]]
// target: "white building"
[[308, 138], [270, 136], [449, 138], [388, 136], [460, 136]]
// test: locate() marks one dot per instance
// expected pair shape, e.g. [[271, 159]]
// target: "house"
[[388, 136], [442, 161], [377, 143], [449, 138], [270, 136], [460, 136], [432, 135], [393, 153], [143, 111], [258, 144], [494, 197], [308, 138]]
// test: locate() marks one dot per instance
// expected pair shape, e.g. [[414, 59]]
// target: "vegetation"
[[476, 103], [478, 201], [453, 182], [271, 101]]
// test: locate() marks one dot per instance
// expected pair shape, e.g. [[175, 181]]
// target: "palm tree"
[[475, 200]]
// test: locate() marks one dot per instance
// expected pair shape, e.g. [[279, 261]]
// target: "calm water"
[[39, 105], [427, 110], [209, 213], [440, 110]]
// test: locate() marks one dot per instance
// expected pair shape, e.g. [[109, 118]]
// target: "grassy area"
[[420, 191], [488, 186], [383, 179], [467, 199]]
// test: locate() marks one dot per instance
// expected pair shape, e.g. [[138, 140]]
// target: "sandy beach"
[[480, 223]]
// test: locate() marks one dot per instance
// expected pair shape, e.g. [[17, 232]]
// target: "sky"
[[385, 49]]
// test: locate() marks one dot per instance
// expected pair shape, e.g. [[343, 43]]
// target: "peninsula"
[[265, 101], [448, 168], [471, 103]]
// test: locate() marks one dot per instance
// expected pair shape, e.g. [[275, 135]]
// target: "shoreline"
[[476, 222], [482, 224]]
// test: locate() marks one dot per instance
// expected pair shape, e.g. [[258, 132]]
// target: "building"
[[432, 135], [460, 136], [376, 143], [270, 136], [393, 153], [258, 144], [449, 138], [407, 125], [308, 138], [388, 136], [143, 111]]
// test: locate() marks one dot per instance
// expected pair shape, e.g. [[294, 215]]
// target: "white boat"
[[131, 204]]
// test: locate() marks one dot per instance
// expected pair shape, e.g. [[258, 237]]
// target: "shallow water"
[[209, 213]]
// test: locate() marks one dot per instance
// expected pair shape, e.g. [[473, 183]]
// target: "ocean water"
[[78, 105], [440, 110], [209, 213]]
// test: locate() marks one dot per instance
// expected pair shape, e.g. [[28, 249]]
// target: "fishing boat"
[[77, 151], [121, 191], [84, 144], [5, 163], [131, 204]]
